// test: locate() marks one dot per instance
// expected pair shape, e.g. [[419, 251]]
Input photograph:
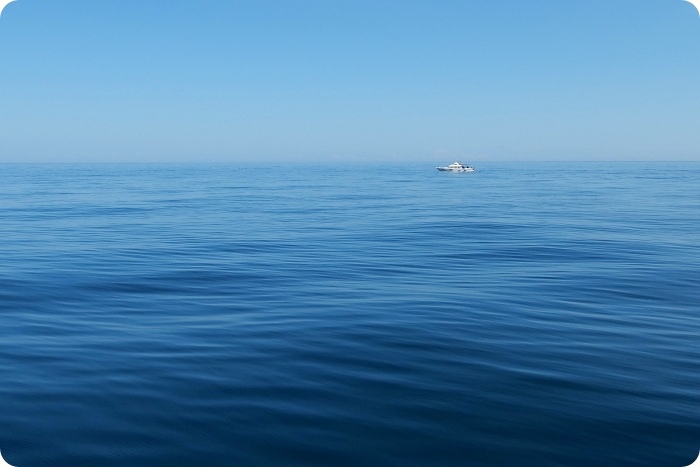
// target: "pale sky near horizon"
[[356, 80]]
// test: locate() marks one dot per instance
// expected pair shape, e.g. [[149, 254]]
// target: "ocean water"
[[178, 315]]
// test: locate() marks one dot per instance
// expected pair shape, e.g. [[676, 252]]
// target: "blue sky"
[[310, 80]]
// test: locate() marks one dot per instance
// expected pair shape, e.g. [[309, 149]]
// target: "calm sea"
[[369, 315]]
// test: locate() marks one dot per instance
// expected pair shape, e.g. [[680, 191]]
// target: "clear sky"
[[357, 80]]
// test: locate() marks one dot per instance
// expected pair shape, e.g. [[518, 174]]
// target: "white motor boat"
[[456, 167]]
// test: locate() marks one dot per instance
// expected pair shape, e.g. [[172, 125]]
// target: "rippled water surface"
[[179, 315]]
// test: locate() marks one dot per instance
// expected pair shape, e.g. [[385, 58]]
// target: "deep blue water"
[[178, 315]]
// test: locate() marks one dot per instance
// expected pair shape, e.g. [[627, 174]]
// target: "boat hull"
[[447, 169]]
